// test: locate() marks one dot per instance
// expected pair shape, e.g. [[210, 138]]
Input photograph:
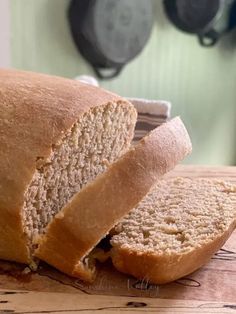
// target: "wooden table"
[[211, 289]]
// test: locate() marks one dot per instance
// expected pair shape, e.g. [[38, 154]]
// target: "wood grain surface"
[[212, 289]]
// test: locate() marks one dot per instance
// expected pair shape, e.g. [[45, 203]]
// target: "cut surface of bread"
[[56, 135], [176, 229], [94, 141], [92, 212]]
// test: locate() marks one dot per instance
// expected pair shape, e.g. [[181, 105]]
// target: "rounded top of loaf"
[[35, 112]]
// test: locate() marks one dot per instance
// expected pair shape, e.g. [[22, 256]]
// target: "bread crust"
[[35, 111], [163, 268], [92, 212]]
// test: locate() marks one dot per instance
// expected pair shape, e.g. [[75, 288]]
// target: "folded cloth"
[[87, 79], [151, 113]]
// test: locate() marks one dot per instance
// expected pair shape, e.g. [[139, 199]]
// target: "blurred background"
[[200, 82]]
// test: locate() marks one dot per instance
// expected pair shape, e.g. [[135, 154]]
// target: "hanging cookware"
[[110, 33], [209, 19]]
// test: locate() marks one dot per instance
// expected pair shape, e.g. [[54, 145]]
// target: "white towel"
[[87, 79], [151, 113]]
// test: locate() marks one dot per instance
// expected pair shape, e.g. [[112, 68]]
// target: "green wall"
[[200, 82]]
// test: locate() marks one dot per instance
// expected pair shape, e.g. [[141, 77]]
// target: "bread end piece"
[[175, 229], [161, 269]]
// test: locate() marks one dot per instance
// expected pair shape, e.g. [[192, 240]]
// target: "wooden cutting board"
[[212, 289]]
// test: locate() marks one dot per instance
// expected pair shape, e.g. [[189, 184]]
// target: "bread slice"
[[176, 229], [91, 213], [56, 135]]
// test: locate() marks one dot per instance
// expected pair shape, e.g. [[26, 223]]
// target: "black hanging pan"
[[209, 19], [110, 33]]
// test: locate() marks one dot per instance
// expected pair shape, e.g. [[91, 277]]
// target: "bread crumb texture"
[[99, 137], [177, 216]]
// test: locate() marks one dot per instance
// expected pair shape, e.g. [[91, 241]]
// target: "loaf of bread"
[[56, 135], [176, 229], [73, 233]]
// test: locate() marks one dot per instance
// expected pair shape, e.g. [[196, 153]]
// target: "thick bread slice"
[[52, 130], [176, 229], [89, 216]]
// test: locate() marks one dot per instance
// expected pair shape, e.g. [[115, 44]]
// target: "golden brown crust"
[[163, 268], [35, 111], [96, 208]]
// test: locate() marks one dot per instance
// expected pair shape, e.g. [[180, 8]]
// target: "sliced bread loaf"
[[92, 212], [56, 135], [176, 229]]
